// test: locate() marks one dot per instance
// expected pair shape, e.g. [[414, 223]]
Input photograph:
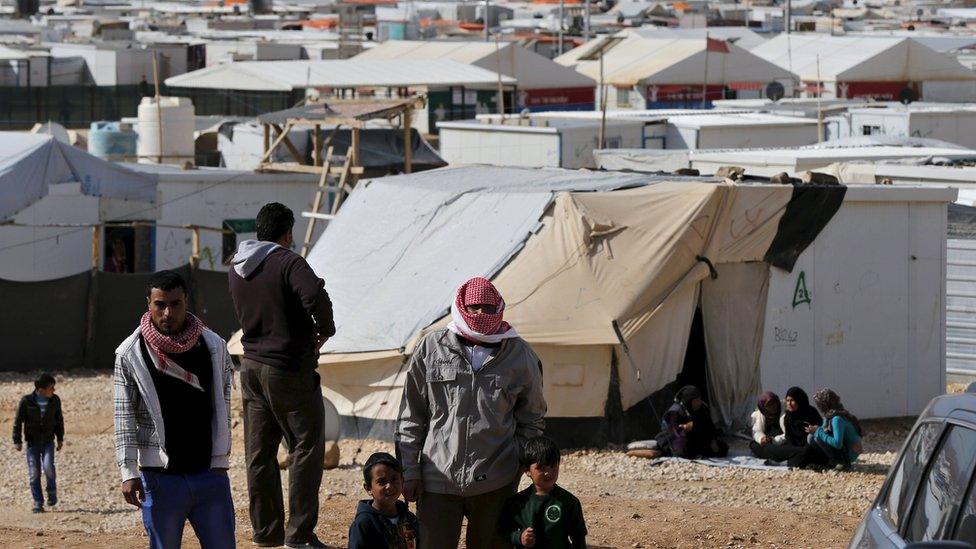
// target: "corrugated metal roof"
[[346, 73]]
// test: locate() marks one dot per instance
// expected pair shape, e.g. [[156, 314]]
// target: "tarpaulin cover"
[[31, 162], [809, 211], [44, 327], [400, 247]]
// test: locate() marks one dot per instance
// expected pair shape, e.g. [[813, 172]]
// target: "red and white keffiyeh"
[[163, 345], [480, 327]]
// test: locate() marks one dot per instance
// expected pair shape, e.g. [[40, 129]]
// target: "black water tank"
[[26, 8], [261, 6]]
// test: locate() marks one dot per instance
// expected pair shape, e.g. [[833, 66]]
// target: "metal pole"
[[603, 106], [819, 107], [486, 20], [705, 80], [787, 16], [498, 69], [586, 23], [159, 108], [561, 6]]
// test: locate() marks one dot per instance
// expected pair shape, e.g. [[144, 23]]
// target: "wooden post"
[[267, 140], [317, 144], [194, 246], [354, 148], [96, 246], [407, 142]]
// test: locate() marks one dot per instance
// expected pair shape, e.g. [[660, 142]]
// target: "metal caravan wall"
[[78, 321]]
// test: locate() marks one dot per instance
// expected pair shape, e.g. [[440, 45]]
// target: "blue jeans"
[[41, 457], [202, 498]]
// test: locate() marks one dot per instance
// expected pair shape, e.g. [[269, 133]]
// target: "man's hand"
[[60, 445], [133, 491], [764, 440], [687, 427], [527, 538], [320, 342], [412, 490], [18, 447]]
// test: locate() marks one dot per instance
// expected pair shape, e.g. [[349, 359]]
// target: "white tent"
[[860, 59], [32, 162], [631, 58], [346, 73], [530, 69], [604, 274]]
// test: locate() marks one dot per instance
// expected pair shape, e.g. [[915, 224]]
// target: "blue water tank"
[[113, 141]]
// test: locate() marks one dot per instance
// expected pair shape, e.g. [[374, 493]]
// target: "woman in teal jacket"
[[839, 438]]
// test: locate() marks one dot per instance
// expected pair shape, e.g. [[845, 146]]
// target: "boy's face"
[[46, 392], [543, 477], [385, 486]]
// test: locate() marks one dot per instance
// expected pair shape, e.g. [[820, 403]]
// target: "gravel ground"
[[627, 502]]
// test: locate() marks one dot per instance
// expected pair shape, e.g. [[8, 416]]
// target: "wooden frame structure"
[[333, 115]]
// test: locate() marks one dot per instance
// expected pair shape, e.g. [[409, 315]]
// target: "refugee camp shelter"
[[52, 199], [951, 123], [285, 83], [543, 84], [627, 284], [881, 68], [739, 131], [651, 72]]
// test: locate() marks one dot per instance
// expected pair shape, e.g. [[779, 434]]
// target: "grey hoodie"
[[250, 254]]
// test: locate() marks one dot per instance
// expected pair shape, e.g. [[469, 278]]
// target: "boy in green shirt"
[[543, 516]]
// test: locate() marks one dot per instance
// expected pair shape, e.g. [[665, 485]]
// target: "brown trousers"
[[282, 404], [440, 519]]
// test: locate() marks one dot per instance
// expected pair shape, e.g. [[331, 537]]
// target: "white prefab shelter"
[[739, 131], [544, 84], [604, 273], [868, 67], [665, 72], [534, 143], [953, 124]]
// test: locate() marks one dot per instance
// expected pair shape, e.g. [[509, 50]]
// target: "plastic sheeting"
[[393, 258], [31, 162], [733, 313]]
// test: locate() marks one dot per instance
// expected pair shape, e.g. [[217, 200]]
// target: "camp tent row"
[[624, 283]]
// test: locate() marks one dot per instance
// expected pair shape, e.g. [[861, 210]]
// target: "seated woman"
[[687, 430], [769, 439], [798, 416], [839, 438]]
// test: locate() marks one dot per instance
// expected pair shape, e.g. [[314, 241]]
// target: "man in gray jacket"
[[472, 397]]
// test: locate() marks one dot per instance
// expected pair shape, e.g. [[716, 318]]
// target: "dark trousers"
[[440, 519], [282, 404], [792, 455], [692, 447]]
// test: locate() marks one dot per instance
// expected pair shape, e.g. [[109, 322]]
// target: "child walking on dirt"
[[384, 521], [544, 515], [39, 422]]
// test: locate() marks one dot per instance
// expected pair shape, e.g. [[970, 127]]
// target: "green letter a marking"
[[801, 294]]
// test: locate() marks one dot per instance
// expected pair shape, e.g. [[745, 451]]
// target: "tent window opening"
[[623, 97], [870, 130]]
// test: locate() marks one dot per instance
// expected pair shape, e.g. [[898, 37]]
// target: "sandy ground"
[[627, 502]]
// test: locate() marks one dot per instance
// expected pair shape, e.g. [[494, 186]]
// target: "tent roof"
[[389, 244], [346, 73], [31, 162], [630, 58], [740, 36], [532, 70], [845, 58]]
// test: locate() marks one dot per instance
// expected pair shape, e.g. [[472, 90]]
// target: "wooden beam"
[[407, 142], [194, 247], [354, 147], [289, 167], [317, 202], [317, 146], [274, 145], [342, 189], [267, 138], [96, 246], [291, 147]]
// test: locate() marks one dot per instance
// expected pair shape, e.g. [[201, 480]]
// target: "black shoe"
[[313, 543], [52, 501], [268, 543], [38, 507]]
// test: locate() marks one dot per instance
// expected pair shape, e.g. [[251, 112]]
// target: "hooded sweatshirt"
[[374, 530], [281, 304]]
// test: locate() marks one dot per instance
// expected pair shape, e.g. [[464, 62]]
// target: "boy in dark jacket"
[[544, 515], [383, 522], [40, 421]]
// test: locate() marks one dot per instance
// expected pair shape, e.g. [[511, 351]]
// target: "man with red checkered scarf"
[[472, 397]]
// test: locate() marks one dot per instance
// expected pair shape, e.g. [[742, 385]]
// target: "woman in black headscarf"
[[687, 430], [768, 440], [798, 416]]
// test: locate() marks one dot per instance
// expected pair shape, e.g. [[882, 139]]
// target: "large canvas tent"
[[627, 283]]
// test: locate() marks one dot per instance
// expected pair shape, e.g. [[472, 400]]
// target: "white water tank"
[[177, 117]]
